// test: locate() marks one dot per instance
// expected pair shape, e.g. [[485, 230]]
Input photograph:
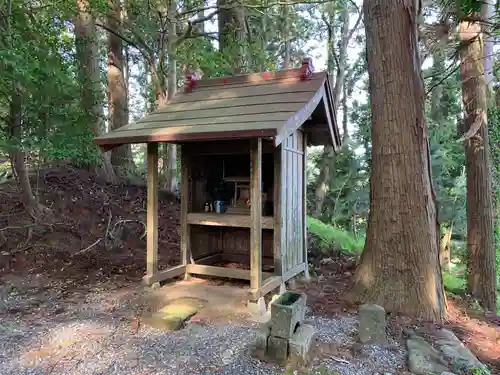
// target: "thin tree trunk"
[[171, 154], [345, 114], [480, 211], [328, 161], [117, 88], [287, 53], [89, 76], [438, 70], [399, 268], [17, 156]]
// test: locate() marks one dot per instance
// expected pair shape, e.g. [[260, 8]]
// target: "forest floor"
[[71, 298]]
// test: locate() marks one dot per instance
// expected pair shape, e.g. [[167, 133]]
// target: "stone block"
[[262, 336], [300, 343], [277, 349], [286, 312], [423, 359], [372, 324]]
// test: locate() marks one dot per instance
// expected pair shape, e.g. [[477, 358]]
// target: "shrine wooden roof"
[[245, 106]]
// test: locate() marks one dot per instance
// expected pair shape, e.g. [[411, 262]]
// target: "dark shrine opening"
[[219, 207]]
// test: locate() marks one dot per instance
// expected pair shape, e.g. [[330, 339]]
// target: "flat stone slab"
[[372, 324], [446, 355], [173, 316], [424, 359], [300, 343]]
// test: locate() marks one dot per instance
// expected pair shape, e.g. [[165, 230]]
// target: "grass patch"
[[330, 237]]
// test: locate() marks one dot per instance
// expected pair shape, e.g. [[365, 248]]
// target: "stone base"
[[279, 350], [300, 343]]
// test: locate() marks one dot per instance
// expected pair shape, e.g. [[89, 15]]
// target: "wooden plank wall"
[[232, 243], [292, 210]]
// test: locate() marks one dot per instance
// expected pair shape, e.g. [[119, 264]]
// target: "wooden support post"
[[185, 227], [278, 270], [304, 208], [256, 214], [152, 212]]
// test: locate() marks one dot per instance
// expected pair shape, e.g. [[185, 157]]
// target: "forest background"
[[73, 69]]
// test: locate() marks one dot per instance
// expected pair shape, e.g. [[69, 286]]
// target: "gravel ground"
[[88, 336]]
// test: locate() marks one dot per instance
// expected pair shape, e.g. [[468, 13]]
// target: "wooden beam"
[[256, 213], [269, 285], [152, 210], [169, 273], [227, 220], [185, 227], [230, 273], [294, 271], [277, 210], [304, 208], [209, 259]]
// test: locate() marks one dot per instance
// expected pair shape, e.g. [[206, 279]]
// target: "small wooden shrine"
[[243, 172]]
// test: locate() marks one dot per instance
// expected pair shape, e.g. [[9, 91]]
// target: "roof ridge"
[[249, 78]]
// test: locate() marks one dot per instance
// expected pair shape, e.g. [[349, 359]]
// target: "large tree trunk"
[[89, 76], [117, 88], [399, 268], [480, 212], [232, 34]]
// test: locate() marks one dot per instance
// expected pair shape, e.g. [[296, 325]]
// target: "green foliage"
[[329, 237], [38, 55]]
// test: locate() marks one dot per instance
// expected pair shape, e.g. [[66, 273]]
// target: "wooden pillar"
[[304, 206], [185, 227], [256, 214], [278, 270], [152, 211]]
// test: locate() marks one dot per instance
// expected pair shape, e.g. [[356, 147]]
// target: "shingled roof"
[[256, 105]]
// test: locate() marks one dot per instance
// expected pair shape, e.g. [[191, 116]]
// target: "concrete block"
[[372, 324], [288, 310], [300, 343], [277, 349]]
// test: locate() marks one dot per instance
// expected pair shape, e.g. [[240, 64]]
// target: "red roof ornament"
[[307, 69], [191, 79]]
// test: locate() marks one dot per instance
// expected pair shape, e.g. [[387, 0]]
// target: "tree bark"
[[328, 160], [117, 88], [480, 211], [287, 53], [89, 76], [438, 70], [171, 154], [17, 157], [399, 268], [232, 34]]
